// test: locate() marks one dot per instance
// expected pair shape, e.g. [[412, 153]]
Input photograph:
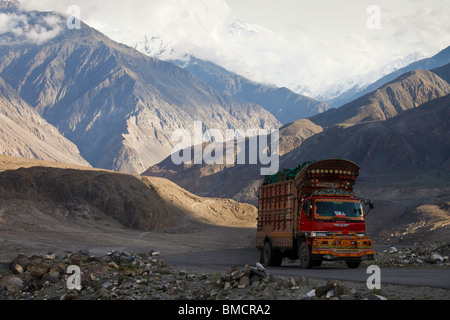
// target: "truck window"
[[335, 208], [307, 209]]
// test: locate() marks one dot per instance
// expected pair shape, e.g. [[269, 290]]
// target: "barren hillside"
[[239, 182], [408, 91], [39, 196], [24, 133]]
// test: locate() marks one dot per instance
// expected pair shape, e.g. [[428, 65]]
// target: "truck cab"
[[333, 228], [327, 215]]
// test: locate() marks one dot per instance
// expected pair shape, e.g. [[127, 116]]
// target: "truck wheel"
[[270, 256], [352, 264], [304, 255]]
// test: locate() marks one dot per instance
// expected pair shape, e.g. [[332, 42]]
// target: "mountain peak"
[[244, 27], [9, 6]]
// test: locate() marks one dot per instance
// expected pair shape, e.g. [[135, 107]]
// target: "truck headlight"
[[318, 234]]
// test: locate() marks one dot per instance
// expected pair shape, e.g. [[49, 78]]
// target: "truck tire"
[[352, 264], [270, 256], [304, 255]]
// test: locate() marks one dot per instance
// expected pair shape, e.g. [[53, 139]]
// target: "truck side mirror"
[[369, 203], [307, 208]]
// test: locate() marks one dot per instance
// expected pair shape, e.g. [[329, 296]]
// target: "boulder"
[[435, 258], [51, 256], [375, 297], [260, 267], [244, 283], [392, 250], [320, 291], [37, 271], [19, 264], [14, 286], [269, 293], [17, 269]]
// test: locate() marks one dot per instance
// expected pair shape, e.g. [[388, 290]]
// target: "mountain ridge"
[[117, 105], [413, 141], [405, 92], [440, 59], [25, 133]]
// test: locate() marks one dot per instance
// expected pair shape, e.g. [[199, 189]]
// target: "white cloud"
[[19, 28], [8, 22]]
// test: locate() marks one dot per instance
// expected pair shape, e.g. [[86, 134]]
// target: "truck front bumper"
[[342, 247]]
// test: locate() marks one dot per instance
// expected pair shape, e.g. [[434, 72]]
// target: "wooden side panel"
[[275, 214]]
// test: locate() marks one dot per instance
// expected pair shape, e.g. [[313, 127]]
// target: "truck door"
[[305, 221]]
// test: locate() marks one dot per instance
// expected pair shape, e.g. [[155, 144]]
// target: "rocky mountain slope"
[[117, 105], [235, 181], [286, 105], [406, 92], [9, 5], [414, 141], [24, 133], [443, 72]]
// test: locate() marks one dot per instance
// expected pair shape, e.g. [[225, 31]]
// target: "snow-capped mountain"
[[335, 93], [156, 46], [283, 103], [151, 45], [9, 5], [399, 63], [239, 27]]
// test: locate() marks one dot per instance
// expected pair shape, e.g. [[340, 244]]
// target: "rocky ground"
[[425, 254], [121, 275]]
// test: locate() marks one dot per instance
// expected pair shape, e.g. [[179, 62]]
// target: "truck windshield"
[[326, 209]]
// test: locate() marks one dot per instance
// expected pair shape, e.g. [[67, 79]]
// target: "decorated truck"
[[310, 213]]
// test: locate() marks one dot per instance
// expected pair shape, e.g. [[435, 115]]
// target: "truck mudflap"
[[342, 246]]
